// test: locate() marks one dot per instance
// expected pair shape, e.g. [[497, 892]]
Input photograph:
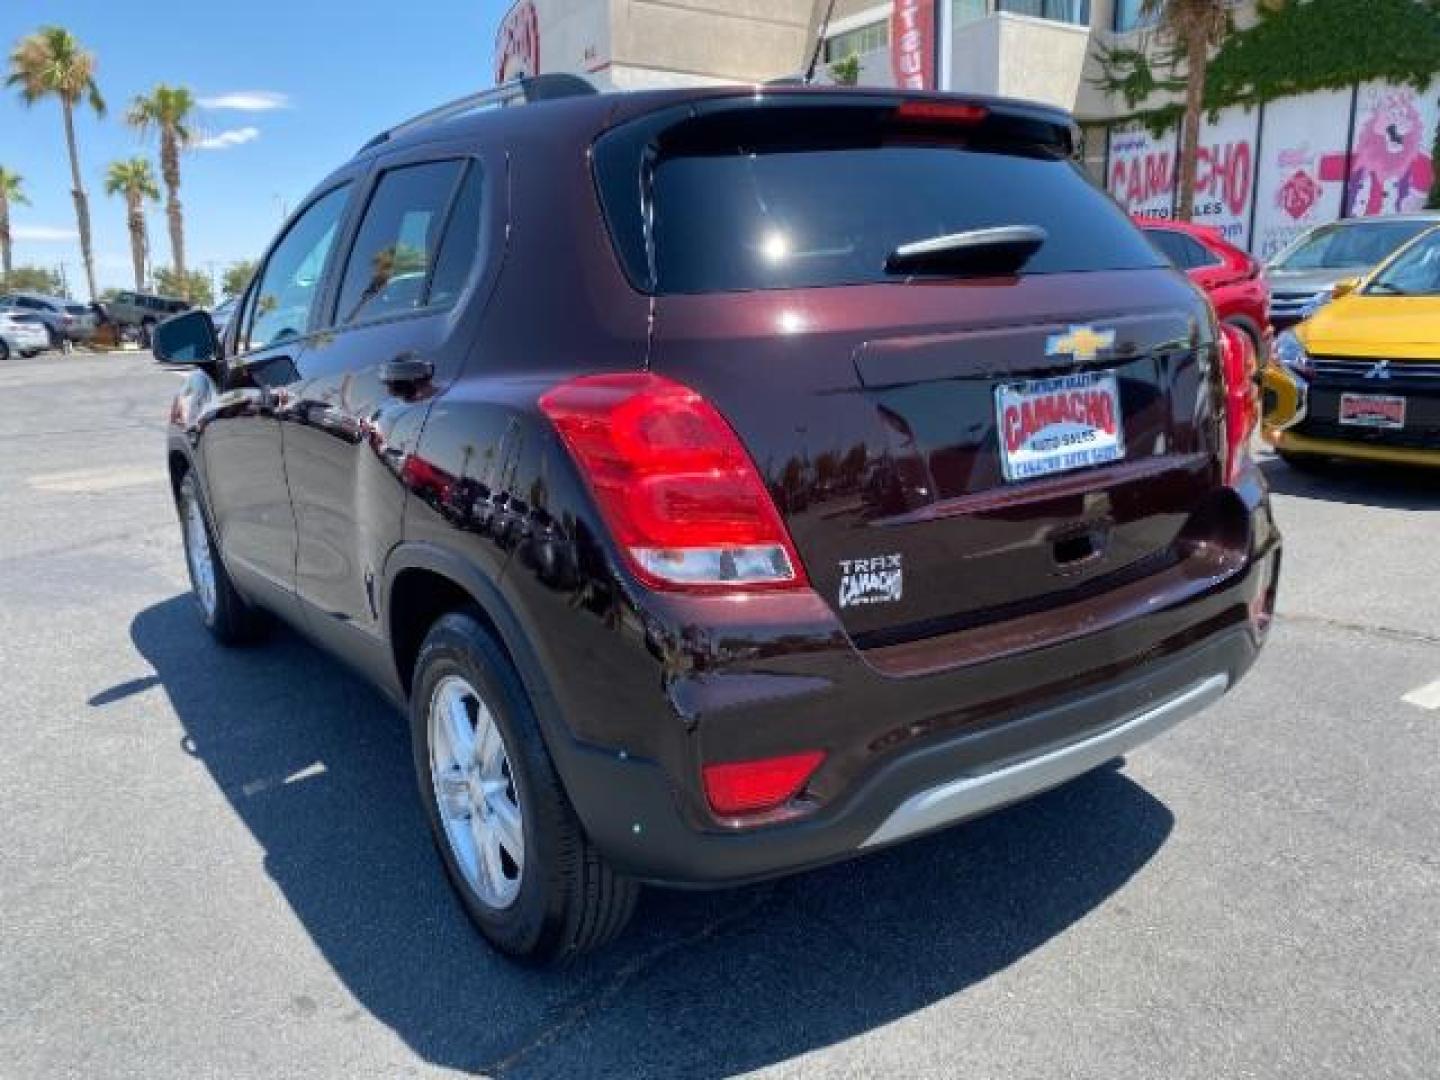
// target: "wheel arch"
[[424, 582]]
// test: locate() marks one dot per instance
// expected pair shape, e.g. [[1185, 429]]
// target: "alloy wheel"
[[475, 791], [199, 557]]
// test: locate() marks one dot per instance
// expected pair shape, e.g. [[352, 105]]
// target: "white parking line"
[[1427, 696], [89, 481]]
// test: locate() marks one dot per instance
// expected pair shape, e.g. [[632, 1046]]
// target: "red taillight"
[[682, 498], [941, 112], [751, 787], [1242, 411]]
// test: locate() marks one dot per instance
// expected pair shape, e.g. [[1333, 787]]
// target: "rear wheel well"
[[418, 599]]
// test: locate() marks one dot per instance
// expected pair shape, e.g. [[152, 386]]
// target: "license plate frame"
[[1073, 422], [1383, 412]]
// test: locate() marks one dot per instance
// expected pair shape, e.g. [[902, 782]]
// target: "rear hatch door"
[[951, 443]]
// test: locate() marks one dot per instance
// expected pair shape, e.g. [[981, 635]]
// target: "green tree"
[[1185, 31], [134, 180], [237, 275], [32, 279], [12, 193], [166, 110], [846, 72], [51, 63], [194, 286]]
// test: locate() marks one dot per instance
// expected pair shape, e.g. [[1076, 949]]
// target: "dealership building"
[[1266, 173]]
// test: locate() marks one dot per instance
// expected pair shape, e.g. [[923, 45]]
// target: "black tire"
[[230, 618], [4, 351], [569, 899]]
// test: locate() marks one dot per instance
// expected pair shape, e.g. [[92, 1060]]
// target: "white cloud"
[[226, 139], [247, 101], [44, 234]]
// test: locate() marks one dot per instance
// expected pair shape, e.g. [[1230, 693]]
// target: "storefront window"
[[1070, 11], [857, 42], [1131, 15], [965, 11]]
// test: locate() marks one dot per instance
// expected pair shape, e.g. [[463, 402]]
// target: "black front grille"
[[1377, 376], [1403, 439], [1333, 379]]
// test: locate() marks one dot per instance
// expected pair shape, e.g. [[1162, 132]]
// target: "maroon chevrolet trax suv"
[[727, 481]]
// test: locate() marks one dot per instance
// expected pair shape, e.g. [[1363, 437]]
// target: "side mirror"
[[188, 338], [1345, 286]]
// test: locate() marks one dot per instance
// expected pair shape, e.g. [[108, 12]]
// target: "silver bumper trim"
[[973, 795]]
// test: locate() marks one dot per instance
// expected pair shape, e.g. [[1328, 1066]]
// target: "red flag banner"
[[912, 44]]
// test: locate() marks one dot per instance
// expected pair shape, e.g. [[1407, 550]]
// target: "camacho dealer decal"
[[880, 580]]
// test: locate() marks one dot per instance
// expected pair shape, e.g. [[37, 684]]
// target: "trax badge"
[[880, 580], [1082, 342]]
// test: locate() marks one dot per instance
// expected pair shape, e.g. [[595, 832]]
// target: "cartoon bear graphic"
[[1390, 170]]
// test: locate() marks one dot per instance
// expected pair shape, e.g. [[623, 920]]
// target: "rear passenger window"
[[1171, 245], [460, 249], [389, 268]]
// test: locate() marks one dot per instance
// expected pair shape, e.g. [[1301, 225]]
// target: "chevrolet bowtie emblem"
[[1379, 371], [1082, 342]]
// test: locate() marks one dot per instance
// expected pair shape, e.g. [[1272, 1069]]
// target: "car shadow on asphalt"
[[1358, 483], [703, 984]]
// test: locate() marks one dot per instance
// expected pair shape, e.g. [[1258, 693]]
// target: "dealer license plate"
[[1372, 410], [1055, 425]]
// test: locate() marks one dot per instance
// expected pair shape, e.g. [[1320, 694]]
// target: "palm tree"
[[167, 110], [52, 63], [12, 193], [1191, 28], [135, 180]]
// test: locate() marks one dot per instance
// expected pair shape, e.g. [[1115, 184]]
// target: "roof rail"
[[522, 91]]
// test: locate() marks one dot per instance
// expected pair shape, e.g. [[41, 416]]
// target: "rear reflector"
[[678, 491], [751, 787], [1242, 412]]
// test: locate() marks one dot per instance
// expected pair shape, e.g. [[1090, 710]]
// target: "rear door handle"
[[406, 372]]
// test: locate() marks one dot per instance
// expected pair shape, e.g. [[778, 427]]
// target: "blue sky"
[[338, 72]]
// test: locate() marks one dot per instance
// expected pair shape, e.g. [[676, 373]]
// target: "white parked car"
[[22, 332]]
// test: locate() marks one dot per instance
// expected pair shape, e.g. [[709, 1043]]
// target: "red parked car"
[[1231, 278]]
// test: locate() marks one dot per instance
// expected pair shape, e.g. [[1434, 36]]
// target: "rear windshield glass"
[[831, 216]]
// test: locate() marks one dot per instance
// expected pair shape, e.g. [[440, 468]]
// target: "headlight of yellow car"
[[1290, 352], [1285, 389]]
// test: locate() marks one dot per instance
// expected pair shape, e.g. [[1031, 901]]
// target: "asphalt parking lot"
[[215, 862]]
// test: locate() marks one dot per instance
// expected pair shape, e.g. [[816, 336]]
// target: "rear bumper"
[[633, 817], [637, 691], [28, 342], [969, 796]]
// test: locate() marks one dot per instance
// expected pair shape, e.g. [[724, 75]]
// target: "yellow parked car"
[[1361, 377]]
